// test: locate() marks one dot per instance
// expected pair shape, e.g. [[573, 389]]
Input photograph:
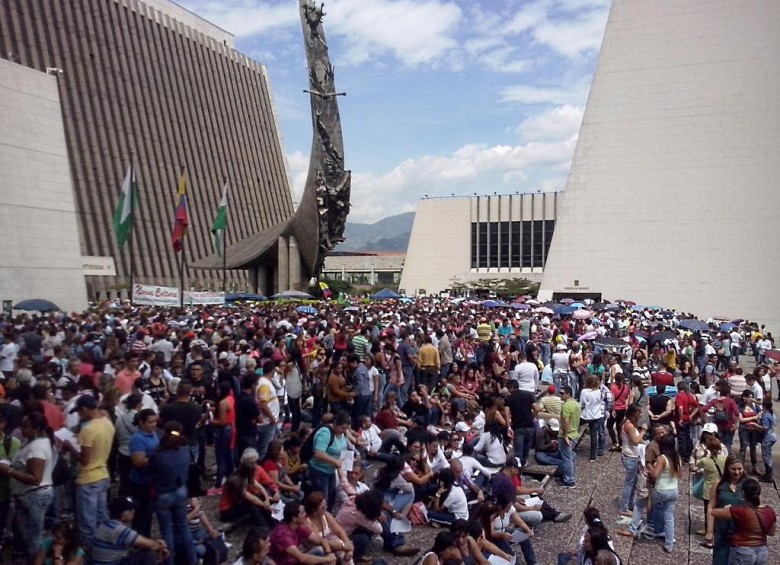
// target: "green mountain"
[[389, 234]]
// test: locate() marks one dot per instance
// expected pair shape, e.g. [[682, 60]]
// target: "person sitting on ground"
[[350, 485], [255, 548], [201, 529], [242, 494], [114, 539], [490, 447], [324, 524], [444, 550], [546, 442], [288, 538], [549, 404], [449, 502], [61, 547]]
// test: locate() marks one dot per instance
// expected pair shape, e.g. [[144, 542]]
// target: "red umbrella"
[[773, 354]]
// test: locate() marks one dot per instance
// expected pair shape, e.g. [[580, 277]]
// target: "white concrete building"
[[41, 255], [464, 239], [364, 269], [673, 197]]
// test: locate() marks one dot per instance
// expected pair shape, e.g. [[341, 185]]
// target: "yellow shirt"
[[98, 435], [429, 356], [484, 331]]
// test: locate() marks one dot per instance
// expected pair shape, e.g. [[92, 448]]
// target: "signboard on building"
[[203, 298], [98, 266], [152, 295]]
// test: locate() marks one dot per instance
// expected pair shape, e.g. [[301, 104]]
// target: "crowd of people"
[[330, 426]]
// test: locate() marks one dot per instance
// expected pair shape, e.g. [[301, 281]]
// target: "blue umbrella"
[[36, 305], [727, 327], [490, 304], [308, 310], [246, 296], [637, 307], [563, 310], [577, 305], [694, 325]]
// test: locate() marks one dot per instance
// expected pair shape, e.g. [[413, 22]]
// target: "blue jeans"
[[523, 438], [408, 378], [749, 555], [766, 449], [664, 502], [324, 483], [399, 500], [566, 454], [91, 509], [441, 517], [265, 435], [223, 454], [171, 510], [361, 407], [30, 511], [593, 431], [546, 459], [630, 464]]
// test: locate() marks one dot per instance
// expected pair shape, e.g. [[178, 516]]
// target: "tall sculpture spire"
[[327, 191]]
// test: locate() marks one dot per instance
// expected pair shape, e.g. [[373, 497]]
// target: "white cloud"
[[471, 168], [573, 37], [414, 31], [575, 93], [558, 124], [245, 17]]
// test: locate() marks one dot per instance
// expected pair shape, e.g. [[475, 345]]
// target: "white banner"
[[151, 295], [203, 298]]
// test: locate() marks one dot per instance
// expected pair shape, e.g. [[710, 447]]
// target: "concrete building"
[[153, 78], [41, 255], [464, 239], [365, 269], [672, 198]]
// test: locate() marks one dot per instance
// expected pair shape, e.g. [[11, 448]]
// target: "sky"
[[444, 97]]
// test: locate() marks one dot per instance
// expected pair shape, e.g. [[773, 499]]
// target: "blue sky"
[[443, 96]]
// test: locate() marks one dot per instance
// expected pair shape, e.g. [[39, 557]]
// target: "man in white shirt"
[[164, 346], [736, 345], [754, 387], [526, 374], [8, 355]]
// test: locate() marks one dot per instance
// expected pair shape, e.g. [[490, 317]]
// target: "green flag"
[[219, 227], [123, 215]]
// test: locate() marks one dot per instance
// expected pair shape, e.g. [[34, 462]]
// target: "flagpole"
[[131, 245], [224, 247], [181, 261]]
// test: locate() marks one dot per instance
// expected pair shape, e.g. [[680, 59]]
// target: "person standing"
[[592, 413], [185, 412], [408, 355], [269, 409], [570, 429], [666, 492], [328, 443], [445, 354], [361, 387], [768, 421], [430, 363], [631, 435], [522, 411], [92, 482], [687, 407]]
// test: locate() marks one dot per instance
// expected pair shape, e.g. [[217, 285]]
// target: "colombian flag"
[[181, 220], [326, 292]]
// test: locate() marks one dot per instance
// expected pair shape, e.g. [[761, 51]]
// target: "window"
[[538, 244], [505, 258], [388, 278], [515, 255], [526, 263], [493, 258], [474, 250], [483, 245], [549, 228]]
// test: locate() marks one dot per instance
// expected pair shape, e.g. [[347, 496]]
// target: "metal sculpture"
[[327, 178]]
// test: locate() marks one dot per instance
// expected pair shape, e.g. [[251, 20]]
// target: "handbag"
[[697, 488]]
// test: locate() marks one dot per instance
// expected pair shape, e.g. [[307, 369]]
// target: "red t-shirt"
[[687, 402], [385, 419], [662, 378], [751, 525], [285, 536]]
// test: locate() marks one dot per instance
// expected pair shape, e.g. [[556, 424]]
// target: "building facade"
[[365, 269], [41, 255], [463, 239], [672, 196], [151, 78]]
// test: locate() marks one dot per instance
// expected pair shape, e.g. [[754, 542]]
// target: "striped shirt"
[[111, 543]]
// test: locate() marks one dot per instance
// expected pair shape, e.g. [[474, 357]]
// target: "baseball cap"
[[554, 424], [560, 347], [551, 389], [462, 427], [710, 428], [84, 401]]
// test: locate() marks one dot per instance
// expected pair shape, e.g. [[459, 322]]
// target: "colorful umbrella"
[[581, 314], [308, 310], [590, 336], [544, 310]]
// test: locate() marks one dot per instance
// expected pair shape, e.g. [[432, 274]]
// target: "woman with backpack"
[[726, 413], [327, 445], [750, 431]]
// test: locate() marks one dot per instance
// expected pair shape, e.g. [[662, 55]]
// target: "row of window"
[[364, 277], [520, 244]]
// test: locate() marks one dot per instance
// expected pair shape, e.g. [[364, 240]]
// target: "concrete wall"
[[41, 256], [672, 196], [439, 252]]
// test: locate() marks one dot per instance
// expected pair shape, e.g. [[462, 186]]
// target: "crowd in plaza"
[[332, 425]]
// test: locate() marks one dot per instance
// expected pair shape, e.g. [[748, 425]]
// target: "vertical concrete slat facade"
[[160, 81], [678, 157]]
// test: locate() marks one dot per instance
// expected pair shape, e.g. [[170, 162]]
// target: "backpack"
[[721, 417], [216, 551], [307, 449]]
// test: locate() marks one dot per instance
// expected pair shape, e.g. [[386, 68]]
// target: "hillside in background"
[[388, 234]]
